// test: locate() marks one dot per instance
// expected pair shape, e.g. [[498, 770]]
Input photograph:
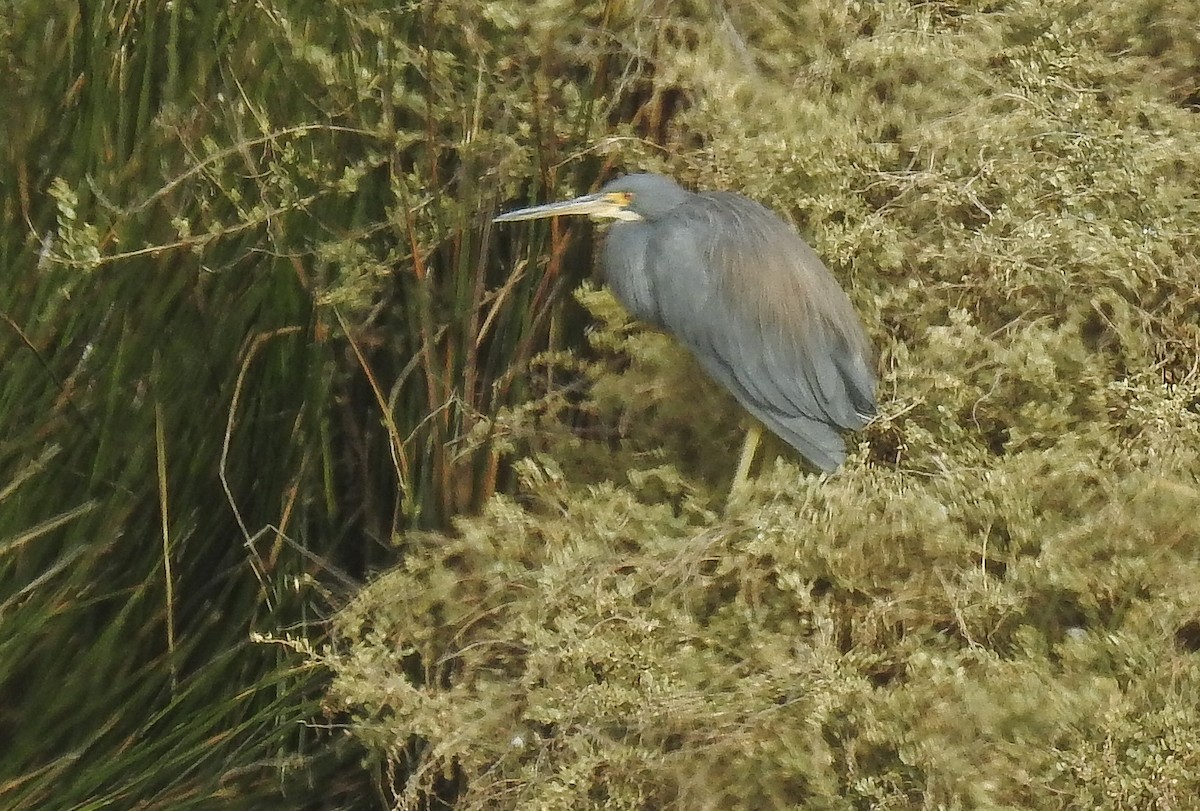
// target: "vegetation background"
[[260, 346]]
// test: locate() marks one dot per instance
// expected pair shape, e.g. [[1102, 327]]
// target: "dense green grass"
[[249, 326]]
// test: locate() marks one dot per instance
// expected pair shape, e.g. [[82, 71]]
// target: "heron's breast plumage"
[[624, 262]]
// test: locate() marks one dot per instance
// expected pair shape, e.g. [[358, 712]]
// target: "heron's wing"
[[765, 318]]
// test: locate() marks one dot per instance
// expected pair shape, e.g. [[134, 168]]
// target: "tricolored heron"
[[739, 288]]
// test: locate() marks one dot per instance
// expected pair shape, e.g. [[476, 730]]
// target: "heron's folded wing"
[[767, 320]]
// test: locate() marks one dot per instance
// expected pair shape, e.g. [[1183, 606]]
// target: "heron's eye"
[[620, 198]]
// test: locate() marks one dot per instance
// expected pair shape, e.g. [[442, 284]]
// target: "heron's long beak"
[[610, 206]]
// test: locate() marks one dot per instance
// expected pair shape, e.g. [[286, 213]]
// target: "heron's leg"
[[741, 479]]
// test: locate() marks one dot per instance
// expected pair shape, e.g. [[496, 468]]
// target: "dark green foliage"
[[995, 604], [248, 327]]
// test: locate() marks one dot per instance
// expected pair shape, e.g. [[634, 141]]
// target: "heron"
[[738, 287]]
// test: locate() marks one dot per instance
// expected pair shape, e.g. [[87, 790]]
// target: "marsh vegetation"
[[317, 492]]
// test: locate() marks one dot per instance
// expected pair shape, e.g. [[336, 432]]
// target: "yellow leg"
[[742, 477]]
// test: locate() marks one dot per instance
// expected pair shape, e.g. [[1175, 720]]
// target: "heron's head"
[[626, 199]]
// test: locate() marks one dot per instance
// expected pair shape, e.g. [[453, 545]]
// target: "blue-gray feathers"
[[760, 311]]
